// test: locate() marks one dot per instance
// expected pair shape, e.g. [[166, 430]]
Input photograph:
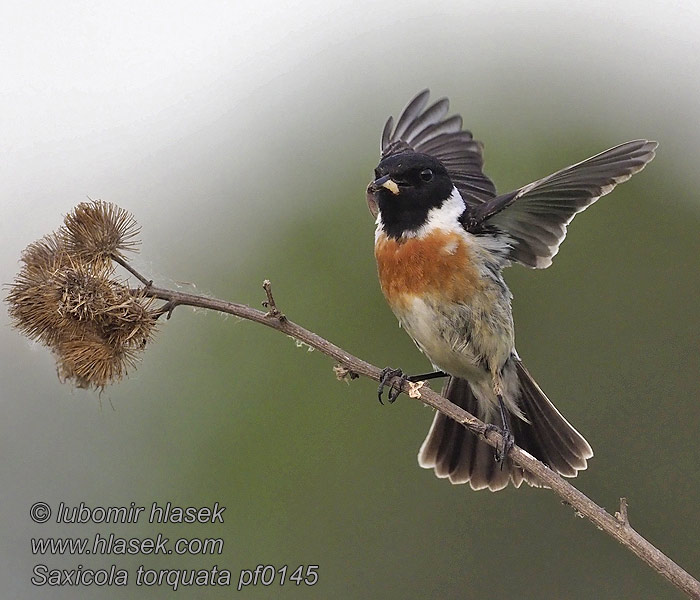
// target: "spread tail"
[[459, 455]]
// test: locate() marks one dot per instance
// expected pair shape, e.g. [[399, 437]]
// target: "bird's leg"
[[427, 376], [388, 374], [507, 441]]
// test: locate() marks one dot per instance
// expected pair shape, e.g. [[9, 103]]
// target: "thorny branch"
[[617, 526]]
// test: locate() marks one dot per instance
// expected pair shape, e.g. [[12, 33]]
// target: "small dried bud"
[[344, 374], [97, 230], [414, 388]]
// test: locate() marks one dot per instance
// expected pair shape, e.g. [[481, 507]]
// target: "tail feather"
[[565, 447], [448, 448], [457, 454]]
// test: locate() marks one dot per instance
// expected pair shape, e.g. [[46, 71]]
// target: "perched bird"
[[442, 239]]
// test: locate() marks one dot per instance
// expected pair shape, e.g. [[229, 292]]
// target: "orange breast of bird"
[[439, 264]]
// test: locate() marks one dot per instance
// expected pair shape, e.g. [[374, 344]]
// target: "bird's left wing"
[[536, 216], [426, 130]]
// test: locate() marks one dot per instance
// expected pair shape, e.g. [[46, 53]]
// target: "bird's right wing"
[[536, 216]]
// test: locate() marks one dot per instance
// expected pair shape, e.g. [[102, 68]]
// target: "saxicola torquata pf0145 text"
[[443, 237]]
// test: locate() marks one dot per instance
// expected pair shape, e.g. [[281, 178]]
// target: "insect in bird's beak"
[[388, 183]]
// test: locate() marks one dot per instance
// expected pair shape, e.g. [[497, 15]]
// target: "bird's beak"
[[388, 183]]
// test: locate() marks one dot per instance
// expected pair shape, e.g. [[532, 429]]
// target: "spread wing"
[[426, 130], [536, 216]]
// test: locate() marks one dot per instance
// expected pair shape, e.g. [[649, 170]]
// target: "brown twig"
[[621, 515], [616, 526], [118, 259], [270, 302]]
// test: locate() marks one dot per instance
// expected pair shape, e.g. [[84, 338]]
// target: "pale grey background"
[[241, 135]]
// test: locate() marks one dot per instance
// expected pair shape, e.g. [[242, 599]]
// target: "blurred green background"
[[242, 136]]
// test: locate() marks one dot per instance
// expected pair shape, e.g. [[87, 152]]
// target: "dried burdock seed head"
[[130, 321], [65, 296], [87, 292], [48, 253], [35, 296], [107, 325], [90, 362], [95, 231]]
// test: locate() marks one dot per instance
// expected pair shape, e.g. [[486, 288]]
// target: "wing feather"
[[537, 215], [411, 113], [426, 130]]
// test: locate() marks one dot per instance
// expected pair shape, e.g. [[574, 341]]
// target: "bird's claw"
[[503, 448], [387, 375]]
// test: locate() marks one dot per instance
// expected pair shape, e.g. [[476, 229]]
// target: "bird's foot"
[[386, 376], [504, 446]]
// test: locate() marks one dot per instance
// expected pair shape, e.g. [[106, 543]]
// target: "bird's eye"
[[426, 175]]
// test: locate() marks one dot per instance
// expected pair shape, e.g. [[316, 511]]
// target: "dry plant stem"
[[128, 267], [616, 526]]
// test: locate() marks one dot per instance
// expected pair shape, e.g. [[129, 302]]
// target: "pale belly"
[[469, 341]]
